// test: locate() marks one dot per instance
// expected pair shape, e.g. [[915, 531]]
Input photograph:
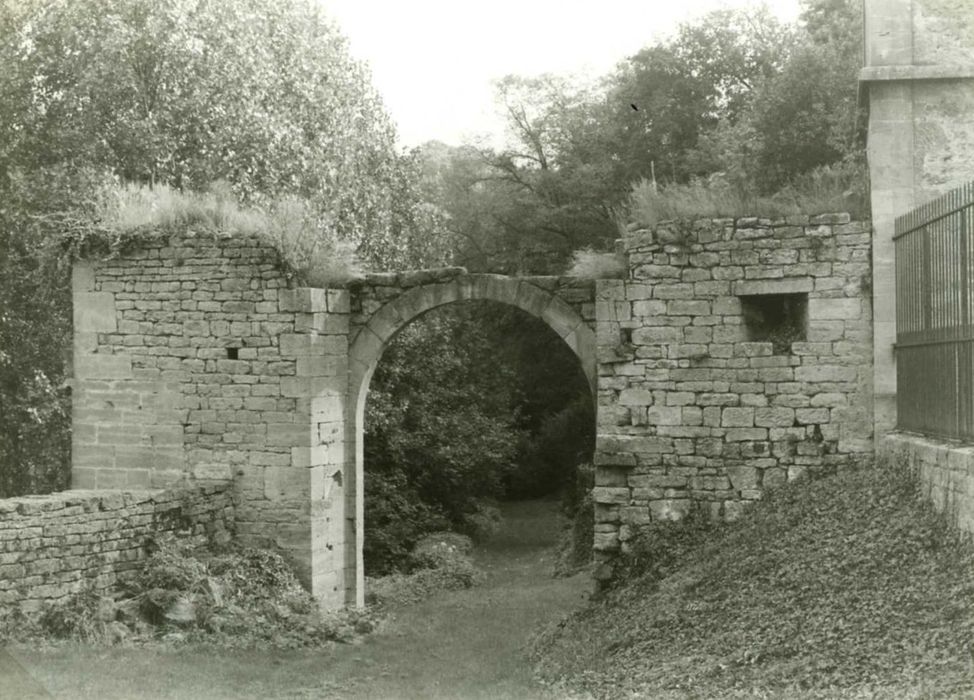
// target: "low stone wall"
[[945, 471], [54, 545]]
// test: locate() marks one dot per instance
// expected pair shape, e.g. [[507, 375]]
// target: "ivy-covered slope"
[[845, 586]]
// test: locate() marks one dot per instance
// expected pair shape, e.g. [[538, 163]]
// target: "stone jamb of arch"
[[368, 345]]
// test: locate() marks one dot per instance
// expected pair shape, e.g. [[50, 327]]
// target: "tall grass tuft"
[[305, 238], [841, 187]]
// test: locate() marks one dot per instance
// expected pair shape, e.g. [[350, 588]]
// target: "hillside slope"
[[845, 586]]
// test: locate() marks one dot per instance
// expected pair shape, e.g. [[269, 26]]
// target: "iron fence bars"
[[934, 332]]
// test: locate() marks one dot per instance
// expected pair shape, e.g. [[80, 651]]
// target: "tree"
[[524, 208], [257, 93], [704, 79], [808, 113], [263, 95]]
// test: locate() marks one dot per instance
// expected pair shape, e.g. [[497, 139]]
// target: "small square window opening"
[[779, 319]]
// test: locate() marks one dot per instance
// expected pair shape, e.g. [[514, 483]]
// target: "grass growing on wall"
[[306, 241], [838, 188], [845, 586]]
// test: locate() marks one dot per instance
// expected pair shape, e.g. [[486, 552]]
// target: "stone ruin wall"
[[690, 407], [198, 370], [194, 362]]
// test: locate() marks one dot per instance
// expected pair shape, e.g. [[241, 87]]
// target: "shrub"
[[35, 321], [395, 520], [481, 522], [435, 549], [443, 565], [235, 597], [564, 438]]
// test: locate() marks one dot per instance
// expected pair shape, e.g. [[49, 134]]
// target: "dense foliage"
[[733, 98], [470, 403], [848, 585]]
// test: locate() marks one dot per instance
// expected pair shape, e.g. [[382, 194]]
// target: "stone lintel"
[[793, 285]]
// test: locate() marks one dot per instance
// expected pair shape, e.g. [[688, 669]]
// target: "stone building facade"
[[918, 85]]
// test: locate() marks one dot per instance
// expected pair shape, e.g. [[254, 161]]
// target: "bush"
[[396, 519], [482, 521], [35, 322], [434, 550], [442, 563]]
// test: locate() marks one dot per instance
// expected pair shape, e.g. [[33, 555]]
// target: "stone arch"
[[367, 347]]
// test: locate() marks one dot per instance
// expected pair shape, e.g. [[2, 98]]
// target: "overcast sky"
[[433, 60]]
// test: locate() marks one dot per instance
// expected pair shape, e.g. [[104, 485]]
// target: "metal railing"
[[934, 331]]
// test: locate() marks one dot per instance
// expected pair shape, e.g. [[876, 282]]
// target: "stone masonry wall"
[[690, 407], [55, 545], [378, 289], [945, 471], [194, 361]]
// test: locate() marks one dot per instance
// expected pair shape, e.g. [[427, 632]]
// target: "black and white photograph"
[[522, 350]]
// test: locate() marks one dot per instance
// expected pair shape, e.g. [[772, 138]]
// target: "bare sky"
[[433, 60]]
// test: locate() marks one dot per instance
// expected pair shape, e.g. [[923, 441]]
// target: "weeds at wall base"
[[234, 597]]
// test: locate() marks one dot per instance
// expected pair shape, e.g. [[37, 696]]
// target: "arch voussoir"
[[532, 299]]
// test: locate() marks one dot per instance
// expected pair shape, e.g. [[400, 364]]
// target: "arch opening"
[[381, 329]]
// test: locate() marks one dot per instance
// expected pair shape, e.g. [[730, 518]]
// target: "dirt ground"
[[458, 645]]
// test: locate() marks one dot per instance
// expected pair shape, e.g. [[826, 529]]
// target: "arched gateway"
[[371, 339], [198, 367]]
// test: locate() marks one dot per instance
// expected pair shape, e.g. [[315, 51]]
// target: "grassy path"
[[462, 644]]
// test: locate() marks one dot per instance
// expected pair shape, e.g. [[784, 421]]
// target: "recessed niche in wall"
[[232, 353], [779, 319]]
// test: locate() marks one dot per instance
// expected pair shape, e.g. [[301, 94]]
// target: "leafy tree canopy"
[[263, 95]]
